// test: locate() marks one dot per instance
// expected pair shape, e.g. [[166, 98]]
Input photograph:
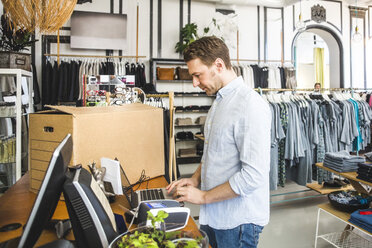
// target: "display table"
[[347, 238], [17, 202]]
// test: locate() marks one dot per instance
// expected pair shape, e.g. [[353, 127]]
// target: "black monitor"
[[49, 193], [92, 219]]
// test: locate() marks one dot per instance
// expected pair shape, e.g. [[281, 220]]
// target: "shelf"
[[192, 94], [188, 160], [174, 81], [348, 175], [320, 189], [180, 140], [192, 111], [199, 136], [192, 125], [346, 239], [343, 216]]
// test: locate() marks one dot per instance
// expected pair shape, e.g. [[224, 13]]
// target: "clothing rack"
[[172, 144], [311, 89], [262, 60], [92, 56]]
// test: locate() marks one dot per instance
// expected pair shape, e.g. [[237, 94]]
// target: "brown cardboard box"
[[132, 133]]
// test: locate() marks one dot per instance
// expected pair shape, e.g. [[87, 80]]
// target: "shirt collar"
[[229, 88]]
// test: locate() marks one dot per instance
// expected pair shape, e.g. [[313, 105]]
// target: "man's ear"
[[220, 65]]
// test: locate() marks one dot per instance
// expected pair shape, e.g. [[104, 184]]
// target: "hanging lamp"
[[357, 36], [44, 16], [300, 25]]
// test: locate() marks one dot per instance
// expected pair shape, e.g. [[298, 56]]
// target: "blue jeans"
[[245, 235]]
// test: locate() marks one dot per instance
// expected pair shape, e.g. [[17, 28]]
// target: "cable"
[[134, 216]]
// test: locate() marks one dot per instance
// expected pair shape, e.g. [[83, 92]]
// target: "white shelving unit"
[[346, 238], [19, 74]]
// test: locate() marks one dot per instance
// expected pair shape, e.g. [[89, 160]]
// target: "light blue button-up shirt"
[[237, 150]]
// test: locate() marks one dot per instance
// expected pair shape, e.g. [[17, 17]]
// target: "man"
[[316, 88], [234, 171]]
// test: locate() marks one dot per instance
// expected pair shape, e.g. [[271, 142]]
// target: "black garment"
[[55, 85], [110, 68], [83, 1], [282, 77], [264, 75], [127, 69], [256, 75], [47, 84], [35, 85]]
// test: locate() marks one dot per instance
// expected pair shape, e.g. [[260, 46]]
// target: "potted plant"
[[153, 237], [12, 41], [189, 33]]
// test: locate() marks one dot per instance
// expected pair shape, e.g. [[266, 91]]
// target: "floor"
[[292, 223]]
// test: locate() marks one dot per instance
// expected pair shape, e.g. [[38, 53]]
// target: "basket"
[[183, 74], [349, 207], [165, 73]]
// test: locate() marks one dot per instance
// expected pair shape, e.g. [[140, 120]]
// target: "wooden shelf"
[[319, 188], [188, 160], [192, 125], [349, 175], [192, 111], [344, 216]]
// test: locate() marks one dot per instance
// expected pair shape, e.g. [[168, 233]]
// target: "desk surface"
[[17, 202], [348, 175]]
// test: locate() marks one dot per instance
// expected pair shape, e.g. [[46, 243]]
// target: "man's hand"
[[182, 183], [190, 194]]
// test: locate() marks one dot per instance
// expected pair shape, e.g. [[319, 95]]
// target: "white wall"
[[201, 14]]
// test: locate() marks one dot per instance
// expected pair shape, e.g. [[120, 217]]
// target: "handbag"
[[165, 73], [183, 74]]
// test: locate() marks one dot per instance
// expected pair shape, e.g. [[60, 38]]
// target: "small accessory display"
[[183, 121], [187, 152], [185, 136], [201, 120]]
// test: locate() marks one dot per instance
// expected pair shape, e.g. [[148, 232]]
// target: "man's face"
[[204, 77], [317, 87]]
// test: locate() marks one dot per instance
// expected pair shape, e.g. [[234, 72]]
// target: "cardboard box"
[[132, 133]]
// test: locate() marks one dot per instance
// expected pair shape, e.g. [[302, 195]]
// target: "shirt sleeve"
[[252, 138]]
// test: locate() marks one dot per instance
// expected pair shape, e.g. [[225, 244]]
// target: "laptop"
[[143, 195]]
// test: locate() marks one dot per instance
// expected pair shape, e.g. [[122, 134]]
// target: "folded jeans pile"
[[365, 172], [342, 161], [362, 218]]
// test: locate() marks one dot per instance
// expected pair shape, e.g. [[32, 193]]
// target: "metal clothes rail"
[[92, 56]]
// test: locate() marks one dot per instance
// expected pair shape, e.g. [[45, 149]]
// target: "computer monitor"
[[92, 219], [49, 193]]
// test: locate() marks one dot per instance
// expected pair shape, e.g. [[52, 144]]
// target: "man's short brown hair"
[[208, 49]]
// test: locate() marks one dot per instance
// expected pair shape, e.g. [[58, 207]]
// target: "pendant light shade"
[[357, 36], [300, 25], [45, 16]]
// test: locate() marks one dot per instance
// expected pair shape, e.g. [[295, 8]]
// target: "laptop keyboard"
[[152, 194]]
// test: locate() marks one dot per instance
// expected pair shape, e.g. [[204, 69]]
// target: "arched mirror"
[[311, 60], [318, 57]]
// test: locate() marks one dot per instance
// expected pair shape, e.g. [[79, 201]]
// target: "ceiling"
[[278, 3]]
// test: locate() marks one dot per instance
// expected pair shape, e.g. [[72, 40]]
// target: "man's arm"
[[194, 195]]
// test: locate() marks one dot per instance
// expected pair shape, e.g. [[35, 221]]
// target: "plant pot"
[[178, 240], [14, 60]]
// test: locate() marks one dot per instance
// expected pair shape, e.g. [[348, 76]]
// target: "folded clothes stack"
[[365, 172], [342, 161], [362, 218]]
